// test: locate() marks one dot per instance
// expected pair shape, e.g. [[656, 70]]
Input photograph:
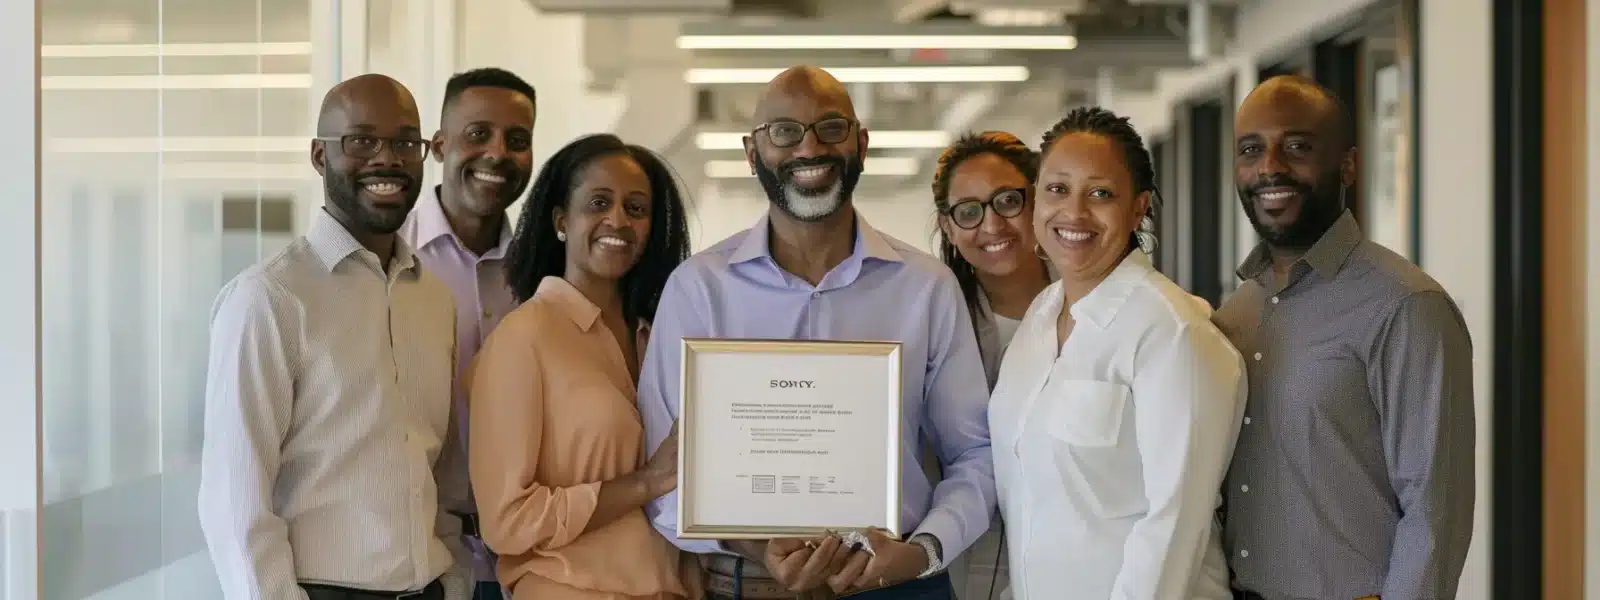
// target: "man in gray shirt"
[[1353, 474]]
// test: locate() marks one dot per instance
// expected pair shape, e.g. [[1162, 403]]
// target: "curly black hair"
[[535, 253], [999, 143], [1104, 123]]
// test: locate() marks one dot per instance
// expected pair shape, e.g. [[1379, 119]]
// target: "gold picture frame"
[[695, 354]]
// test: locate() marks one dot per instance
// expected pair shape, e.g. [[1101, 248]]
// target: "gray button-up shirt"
[[1353, 474]]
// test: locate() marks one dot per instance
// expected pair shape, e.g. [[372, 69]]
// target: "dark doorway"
[[1205, 200]]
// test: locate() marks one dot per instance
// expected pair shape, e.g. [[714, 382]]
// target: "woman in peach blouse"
[[557, 456]]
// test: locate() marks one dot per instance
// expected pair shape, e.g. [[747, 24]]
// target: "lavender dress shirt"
[[885, 290], [482, 297]]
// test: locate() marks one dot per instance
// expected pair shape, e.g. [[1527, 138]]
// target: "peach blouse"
[[552, 417]]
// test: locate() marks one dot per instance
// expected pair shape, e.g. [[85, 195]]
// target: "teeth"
[[615, 242], [1277, 195], [488, 177], [384, 189], [1073, 235], [996, 247]]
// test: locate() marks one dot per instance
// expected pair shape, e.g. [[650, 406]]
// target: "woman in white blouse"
[[981, 189], [1118, 402]]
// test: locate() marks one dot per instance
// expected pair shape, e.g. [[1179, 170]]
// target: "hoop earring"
[[1146, 236]]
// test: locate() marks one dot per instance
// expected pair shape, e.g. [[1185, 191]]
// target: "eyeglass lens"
[[368, 146], [969, 214], [788, 133]]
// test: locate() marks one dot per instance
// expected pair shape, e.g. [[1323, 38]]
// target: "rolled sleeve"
[[1423, 376], [957, 405]]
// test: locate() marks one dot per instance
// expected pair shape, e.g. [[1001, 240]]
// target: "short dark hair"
[[972, 145], [535, 253], [1099, 121], [485, 77]]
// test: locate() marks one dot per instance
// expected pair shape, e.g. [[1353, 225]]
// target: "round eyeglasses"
[[785, 133], [361, 145], [969, 214]]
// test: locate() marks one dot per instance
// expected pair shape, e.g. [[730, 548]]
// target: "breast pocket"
[[1085, 424]]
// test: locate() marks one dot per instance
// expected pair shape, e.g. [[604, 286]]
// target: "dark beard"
[[1320, 208], [775, 182], [345, 193]]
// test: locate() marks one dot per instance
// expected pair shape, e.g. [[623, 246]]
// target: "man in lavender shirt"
[[812, 268], [460, 231]]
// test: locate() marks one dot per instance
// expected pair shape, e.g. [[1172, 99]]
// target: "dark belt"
[[469, 524], [434, 591]]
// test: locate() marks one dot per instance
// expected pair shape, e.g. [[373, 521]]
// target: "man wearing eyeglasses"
[[329, 386], [460, 232], [813, 269]]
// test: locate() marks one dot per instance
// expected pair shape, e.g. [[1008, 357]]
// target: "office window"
[[162, 122]]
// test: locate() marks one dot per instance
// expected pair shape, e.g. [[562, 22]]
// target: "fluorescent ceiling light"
[[130, 145], [892, 166], [875, 140], [867, 75], [877, 42], [239, 81], [146, 50]]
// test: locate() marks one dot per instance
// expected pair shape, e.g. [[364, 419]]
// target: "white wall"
[[1456, 145], [19, 396]]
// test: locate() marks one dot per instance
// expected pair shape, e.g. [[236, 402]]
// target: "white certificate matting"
[[788, 438]]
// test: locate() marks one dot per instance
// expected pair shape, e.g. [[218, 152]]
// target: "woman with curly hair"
[[556, 453], [982, 190]]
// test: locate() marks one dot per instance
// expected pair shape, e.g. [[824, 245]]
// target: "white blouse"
[[1109, 458]]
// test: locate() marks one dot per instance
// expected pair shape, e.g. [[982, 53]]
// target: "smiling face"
[[486, 145], [1291, 163], [808, 151], [1085, 206], [607, 217], [988, 185], [371, 158]]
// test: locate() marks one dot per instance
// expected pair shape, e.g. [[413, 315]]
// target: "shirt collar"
[[332, 243], [571, 302], [1326, 256], [1101, 306], [432, 225], [869, 243], [576, 306]]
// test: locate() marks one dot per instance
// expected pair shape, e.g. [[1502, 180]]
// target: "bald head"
[[802, 85], [1311, 105], [369, 90]]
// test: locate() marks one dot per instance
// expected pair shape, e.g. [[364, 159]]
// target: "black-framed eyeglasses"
[[786, 133], [1007, 203], [363, 145]]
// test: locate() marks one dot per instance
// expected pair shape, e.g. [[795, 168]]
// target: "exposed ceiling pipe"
[[1199, 30]]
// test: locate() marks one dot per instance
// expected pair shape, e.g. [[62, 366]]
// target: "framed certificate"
[[788, 438]]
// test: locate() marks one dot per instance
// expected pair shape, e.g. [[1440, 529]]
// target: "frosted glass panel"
[[150, 200]]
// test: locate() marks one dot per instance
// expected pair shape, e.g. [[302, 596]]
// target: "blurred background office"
[[156, 147]]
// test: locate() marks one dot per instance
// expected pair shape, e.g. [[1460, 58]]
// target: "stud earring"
[[1039, 252], [561, 235]]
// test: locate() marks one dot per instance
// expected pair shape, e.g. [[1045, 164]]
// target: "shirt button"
[[486, 314], [816, 294], [1247, 420], [1258, 356], [1274, 299], [1244, 488], [1244, 554]]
